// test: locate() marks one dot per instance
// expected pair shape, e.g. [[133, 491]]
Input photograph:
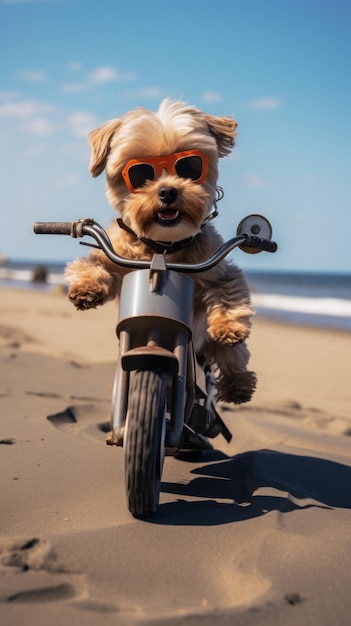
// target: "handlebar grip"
[[52, 228], [257, 244]]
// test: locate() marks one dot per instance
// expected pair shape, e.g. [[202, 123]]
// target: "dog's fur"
[[222, 300]]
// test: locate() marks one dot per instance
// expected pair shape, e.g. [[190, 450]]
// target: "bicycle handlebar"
[[257, 243], [91, 228], [74, 229]]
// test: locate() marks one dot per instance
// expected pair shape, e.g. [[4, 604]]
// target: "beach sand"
[[255, 532]]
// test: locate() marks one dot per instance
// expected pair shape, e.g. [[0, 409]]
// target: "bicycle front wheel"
[[145, 441]]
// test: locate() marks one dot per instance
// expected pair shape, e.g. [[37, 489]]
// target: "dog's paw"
[[227, 336], [226, 328], [90, 285], [236, 388], [85, 298], [228, 332]]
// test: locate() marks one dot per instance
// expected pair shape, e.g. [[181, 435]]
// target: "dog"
[[161, 177]]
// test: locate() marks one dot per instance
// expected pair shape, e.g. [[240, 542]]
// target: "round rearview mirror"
[[256, 225]]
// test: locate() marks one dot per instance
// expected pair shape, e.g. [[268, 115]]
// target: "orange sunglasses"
[[189, 164]]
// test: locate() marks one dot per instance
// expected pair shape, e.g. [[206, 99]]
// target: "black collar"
[[160, 247]]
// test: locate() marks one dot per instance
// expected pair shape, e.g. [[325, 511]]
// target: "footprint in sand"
[[35, 554], [45, 594], [44, 581], [82, 418], [43, 578], [13, 337], [43, 394]]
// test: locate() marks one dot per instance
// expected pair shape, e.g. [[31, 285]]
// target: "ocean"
[[312, 299]]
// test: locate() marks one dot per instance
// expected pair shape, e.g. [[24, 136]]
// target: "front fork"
[[155, 356], [119, 394]]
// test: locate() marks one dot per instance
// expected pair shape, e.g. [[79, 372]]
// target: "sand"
[[255, 532]]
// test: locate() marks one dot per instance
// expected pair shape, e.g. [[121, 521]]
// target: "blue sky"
[[280, 67]]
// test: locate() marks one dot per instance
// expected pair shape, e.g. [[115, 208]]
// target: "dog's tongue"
[[168, 214]]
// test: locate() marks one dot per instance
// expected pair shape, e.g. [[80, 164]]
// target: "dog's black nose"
[[168, 195]]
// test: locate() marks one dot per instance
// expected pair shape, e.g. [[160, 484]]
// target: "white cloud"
[[255, 181], [43, 120], [8, 95], [211, 96], [34, 149], [149, 92], [68, 181], [40, 126], [81, 123], [24, 110], [108, 74], [75, 87], [33, 76], [74, 66], [101, 75], [265, 104], [29, 116]]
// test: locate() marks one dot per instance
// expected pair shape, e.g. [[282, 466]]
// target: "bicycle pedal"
[[201, 419], [192, 440]]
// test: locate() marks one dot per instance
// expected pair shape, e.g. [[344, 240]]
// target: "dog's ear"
[[100, 141], [224, 131]]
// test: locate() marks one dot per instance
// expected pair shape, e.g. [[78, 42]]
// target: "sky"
[[282, 68]]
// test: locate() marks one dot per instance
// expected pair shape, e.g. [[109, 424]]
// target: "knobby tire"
[[144, 448]]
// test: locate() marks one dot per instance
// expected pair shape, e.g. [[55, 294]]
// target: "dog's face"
[[165, 199]]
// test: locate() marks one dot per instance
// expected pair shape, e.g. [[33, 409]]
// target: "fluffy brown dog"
[[161, 176]]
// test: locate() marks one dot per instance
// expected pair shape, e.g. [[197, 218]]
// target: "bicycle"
[[163, 399]]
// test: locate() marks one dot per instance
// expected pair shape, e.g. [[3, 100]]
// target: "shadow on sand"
[[235, 480]]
